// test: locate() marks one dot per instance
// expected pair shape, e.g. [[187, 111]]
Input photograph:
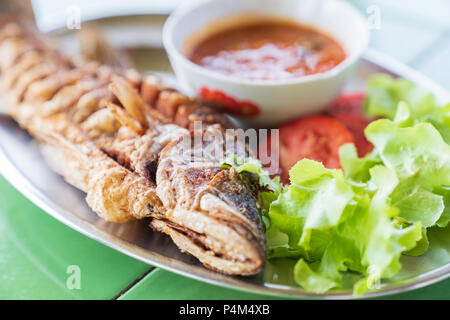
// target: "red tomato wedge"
[[348, 103], [347, 109], [356, 124], [313, 137]]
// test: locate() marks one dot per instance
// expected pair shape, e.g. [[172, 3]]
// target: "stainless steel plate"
[[22, 165]]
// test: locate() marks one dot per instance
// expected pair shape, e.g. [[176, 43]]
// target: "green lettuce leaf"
[[251, 166], [355, 228], [419, 157], [405, 103], [313, 203], [385, 93], [444, 191], [416, 151], [365, 220], [356, 169]]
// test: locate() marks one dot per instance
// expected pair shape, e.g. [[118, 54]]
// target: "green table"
[[42, 258]]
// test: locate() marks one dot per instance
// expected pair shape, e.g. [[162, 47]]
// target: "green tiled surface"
[[161, 284], [36, 250], [438, 291]]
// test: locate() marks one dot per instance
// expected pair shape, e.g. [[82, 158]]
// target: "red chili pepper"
[[230, 105]]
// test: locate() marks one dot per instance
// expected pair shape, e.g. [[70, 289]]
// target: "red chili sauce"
[[268, 50]]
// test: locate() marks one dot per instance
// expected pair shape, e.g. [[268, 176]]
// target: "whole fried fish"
[[121, 138]]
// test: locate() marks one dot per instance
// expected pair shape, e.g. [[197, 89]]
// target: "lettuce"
[[305, 210], [444, 191], [270, 188], [406, 103], [420, 158], [251, 165], [417, 151], [335, 227], [385, 93], [361, 219]]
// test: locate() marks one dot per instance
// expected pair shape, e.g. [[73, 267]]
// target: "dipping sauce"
[[268, 50]]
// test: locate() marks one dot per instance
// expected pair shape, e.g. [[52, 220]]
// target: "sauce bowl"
[[270, 101]]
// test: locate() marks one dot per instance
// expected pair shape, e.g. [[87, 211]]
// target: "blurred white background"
[[416, 32]]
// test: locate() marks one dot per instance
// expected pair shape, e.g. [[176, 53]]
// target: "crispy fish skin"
[[210, 201], [120, 138]]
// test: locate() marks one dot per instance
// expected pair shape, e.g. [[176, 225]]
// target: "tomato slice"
[[313, 137], [356, 124], [348, 103], [348, 110]]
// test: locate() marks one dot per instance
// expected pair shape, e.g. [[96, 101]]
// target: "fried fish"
[[121, 138]]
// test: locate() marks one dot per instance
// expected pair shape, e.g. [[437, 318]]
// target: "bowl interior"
[[335, 17]]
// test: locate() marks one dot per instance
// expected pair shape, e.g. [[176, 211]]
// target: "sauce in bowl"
[[268, 50]]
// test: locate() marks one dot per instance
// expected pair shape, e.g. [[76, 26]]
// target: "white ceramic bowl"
[[278, 100]]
